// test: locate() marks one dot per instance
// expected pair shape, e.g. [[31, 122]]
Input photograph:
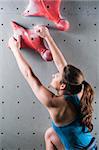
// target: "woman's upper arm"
[[60, 67]]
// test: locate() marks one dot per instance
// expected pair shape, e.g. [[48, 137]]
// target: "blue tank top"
[[72, 135]]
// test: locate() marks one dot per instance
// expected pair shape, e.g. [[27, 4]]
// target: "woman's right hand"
[[42, 31]]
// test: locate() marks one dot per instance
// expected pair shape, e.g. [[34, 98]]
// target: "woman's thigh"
[[51, 135]]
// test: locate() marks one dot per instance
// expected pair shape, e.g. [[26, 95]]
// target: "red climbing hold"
[[49, 9], [31, 40]]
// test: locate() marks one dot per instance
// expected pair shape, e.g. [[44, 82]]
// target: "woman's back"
[[71, 131], [65, 113]]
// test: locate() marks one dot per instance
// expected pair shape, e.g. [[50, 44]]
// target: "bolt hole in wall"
[[20, 104]]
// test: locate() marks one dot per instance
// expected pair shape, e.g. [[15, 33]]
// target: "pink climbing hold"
[[31, 40], [49, 9]]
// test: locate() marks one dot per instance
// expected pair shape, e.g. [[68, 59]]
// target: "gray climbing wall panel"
[[23, 120]]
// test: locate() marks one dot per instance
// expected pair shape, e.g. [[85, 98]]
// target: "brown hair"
[[74, 79]]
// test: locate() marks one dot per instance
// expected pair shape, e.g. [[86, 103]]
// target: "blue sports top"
[[72, 135]]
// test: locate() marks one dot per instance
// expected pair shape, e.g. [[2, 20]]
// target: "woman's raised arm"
[[58, 57]]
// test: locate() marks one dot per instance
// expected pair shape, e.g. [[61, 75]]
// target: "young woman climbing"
[[71, 109]]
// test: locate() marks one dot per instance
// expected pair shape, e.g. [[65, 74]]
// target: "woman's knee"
[[48, 133]]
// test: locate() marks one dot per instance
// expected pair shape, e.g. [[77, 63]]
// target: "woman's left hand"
[[14, 44]]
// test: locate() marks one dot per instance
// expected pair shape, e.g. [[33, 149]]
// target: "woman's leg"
[[52, 140]]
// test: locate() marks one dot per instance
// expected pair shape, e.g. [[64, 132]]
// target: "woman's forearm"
[[22, 63], [58, 57]]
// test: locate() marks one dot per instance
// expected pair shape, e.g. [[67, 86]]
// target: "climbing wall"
[[23, 120]]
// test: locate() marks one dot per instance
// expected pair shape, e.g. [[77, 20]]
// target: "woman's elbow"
[[27, 72]]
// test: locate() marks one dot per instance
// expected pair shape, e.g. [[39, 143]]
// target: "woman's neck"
[[62, 92]]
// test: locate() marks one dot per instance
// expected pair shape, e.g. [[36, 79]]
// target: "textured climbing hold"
[[31, 40], [49, 9]]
